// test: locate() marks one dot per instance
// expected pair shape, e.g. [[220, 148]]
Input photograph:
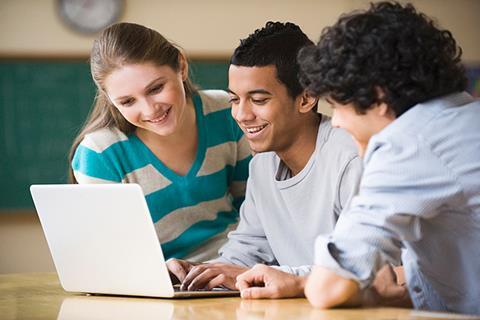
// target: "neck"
[[302, 147]]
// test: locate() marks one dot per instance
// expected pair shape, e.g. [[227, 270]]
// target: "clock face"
[[89, 16]]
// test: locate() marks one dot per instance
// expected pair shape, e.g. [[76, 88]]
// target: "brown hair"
[[119, 45]]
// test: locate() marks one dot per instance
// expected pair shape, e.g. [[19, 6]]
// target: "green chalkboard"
[[42, 106]]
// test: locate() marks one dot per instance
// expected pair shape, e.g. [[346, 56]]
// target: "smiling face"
[[265, 112], [150, 97]]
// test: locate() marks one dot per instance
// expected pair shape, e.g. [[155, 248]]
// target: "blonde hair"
[[119, 45]]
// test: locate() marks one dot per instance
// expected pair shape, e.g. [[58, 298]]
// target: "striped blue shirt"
[[192, 213], [420, 192]]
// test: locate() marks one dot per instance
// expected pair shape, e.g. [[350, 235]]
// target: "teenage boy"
[[304, 172], [396, 83]]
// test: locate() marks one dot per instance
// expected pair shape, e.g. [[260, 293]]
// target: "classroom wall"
[[205, 29], [209, 27]]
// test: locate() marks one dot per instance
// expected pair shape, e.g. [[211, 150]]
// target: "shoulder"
[[93, 156], [400, 159], [213, 100], [263, 164], [102, 139], [393, 150]]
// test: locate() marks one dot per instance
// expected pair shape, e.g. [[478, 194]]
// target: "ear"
[[182, 61], [382, 108], [384, 111], [306, 102]]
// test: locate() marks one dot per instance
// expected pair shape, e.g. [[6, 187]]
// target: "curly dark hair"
[[275, 44], [390, 47]]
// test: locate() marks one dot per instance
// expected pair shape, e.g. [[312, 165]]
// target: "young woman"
[[150, 126]]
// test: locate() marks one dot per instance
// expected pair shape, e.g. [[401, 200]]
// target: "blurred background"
[[46, 90]]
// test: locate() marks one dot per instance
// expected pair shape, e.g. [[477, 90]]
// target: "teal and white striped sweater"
[[192, 213]]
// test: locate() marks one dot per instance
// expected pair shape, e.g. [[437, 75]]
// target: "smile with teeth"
[[255, 129], [160, 118]]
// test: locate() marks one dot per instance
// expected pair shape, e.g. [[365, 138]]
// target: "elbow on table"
[[325, 289], [317, 296]]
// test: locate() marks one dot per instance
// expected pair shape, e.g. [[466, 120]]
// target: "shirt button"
[[416, 289]]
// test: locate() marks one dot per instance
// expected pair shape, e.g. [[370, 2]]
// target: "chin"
[[163, 133], [259, 148]]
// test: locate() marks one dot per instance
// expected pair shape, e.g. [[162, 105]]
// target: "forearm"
[[246, 251], [299, 287]]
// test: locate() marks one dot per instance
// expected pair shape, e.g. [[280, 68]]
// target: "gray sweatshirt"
[[282, 215]]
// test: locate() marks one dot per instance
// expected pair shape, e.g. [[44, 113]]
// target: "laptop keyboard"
[[176, 288]]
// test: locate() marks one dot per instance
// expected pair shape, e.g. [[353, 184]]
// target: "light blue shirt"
[[420, 196]]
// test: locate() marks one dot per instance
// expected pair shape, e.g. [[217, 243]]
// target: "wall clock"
[[89, 16]]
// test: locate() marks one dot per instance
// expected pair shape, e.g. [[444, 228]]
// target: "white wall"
[[22, 244], [205, 29], [209, 28]]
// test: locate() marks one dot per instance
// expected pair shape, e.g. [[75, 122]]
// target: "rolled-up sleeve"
[[403, 183]]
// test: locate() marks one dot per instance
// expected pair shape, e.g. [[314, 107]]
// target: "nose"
[[148, 106], [242, 111], [335, 119]]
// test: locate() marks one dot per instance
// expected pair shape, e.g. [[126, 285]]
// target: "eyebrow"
[[147, 87], [256, 91]]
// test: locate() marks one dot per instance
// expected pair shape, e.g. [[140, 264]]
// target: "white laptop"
[[102, 240]]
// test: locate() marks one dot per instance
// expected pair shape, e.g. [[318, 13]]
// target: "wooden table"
[[39, 296]]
